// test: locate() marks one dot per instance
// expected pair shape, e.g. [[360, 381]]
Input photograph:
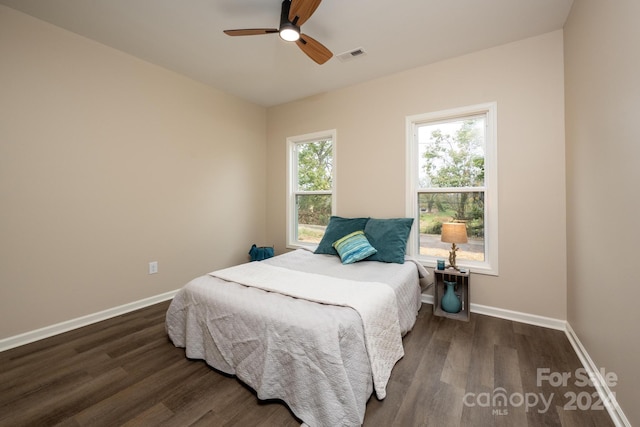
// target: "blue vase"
[[450, 301]]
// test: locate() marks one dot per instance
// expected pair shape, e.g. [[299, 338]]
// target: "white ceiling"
[[186, 36]]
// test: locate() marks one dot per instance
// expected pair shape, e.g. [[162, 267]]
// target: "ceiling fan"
[[294, 13]]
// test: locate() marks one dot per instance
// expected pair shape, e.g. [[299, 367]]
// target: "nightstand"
[[461, 289]]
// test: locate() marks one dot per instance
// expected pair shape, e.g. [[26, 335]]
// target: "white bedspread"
[[375, 303], [312, 356]]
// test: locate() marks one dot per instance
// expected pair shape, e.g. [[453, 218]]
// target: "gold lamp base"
[[452, 257]]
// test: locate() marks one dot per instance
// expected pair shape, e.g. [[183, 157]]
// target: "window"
[[452, 177], [311, 184]]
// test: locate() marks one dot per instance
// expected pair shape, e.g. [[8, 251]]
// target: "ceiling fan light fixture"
[[289, 32]]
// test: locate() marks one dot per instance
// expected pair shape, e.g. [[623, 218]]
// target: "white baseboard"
[[58, 328], [531, 319], [606, 395]]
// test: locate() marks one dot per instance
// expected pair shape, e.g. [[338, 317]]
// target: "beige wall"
[[108, 162], [603, 173], [526, 80]]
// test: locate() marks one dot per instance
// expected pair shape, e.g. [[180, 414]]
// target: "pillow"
[[338, 227], [389, 237], [353, 247]]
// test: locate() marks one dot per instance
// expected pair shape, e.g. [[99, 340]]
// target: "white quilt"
[[375, 303], [312, 356]]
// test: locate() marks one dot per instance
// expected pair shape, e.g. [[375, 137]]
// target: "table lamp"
[[453, 232]]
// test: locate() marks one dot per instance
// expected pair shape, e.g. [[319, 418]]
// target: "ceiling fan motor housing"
[[289, 31]]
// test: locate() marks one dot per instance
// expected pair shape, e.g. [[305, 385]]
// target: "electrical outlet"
[[153, 267]]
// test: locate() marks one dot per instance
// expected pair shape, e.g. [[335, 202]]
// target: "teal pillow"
[[353, 247], [337, 228], [389, 237]]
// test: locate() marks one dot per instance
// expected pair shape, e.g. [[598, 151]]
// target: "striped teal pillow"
[[354, 247]]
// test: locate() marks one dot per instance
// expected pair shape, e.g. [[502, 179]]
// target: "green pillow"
[[338, 227], [353, 247], [389, 237]]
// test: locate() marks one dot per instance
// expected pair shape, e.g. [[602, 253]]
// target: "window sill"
[[294, 246]]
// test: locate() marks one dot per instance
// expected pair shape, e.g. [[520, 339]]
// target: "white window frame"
[[292, 187], [490, 263]]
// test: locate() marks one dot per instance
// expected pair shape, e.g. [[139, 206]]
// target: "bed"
[[323, 350]]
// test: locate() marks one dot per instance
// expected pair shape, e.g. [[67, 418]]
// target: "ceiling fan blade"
[[302, 10], [314, 49], [251, 31]]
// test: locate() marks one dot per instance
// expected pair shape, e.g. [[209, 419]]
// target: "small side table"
[[461, 289]]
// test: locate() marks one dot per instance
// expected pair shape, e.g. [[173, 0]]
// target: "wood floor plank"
[[125, 371], [382, 412], [139, 396], [456, 365], [508, 384], [415, 407], [532, 358], [53, 406], [155, 415], [445, 407]]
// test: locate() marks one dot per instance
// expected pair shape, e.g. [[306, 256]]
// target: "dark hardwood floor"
[[124, 371]]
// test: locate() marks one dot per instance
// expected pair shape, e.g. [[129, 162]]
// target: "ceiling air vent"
[[352, 54]]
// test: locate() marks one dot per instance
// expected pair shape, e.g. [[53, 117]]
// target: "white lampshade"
[[454, 232]]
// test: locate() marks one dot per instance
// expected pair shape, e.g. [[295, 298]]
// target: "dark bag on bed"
[[260, 253]]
